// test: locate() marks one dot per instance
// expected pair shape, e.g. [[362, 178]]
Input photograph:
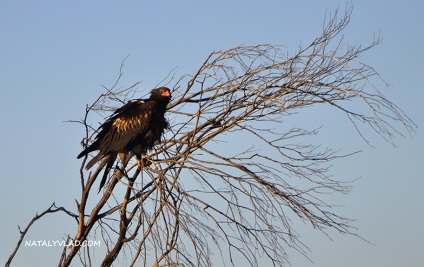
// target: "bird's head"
[[163, 94]]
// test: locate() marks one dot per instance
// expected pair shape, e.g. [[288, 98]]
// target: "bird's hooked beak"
[[166, 93]]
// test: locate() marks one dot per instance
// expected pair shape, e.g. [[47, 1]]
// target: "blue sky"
[[55, 55]]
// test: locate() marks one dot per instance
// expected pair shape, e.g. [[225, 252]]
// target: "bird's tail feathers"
[[93, 161], [82, 154], [110, 161], [87, 150]]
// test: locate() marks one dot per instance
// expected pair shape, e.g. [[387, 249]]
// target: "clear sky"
[[55, 55]]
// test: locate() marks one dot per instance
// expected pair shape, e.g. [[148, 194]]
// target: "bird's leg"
[[124, 161], [143, 160], [124, 158]]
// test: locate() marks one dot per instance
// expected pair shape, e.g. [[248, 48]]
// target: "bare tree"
[[204, 193]]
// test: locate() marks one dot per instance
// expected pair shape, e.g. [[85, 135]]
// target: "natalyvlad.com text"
[[61, 243]]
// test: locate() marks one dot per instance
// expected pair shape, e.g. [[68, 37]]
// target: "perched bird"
[[132, 129]]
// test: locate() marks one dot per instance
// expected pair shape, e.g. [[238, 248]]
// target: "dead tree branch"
[[230, 176]]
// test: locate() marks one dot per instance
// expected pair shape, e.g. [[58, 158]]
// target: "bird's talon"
[[144, 162]]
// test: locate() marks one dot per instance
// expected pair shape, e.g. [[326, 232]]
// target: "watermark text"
[[61, 243]]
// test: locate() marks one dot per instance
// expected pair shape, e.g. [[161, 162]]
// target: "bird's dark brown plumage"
[[133, 128]]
